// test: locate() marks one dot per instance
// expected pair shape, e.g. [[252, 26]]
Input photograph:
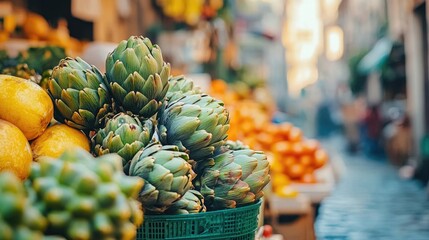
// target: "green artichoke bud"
[[191, 202], [123, 134], [235, 145], [85, 197], [197, 124], [137, 76], [79, 94], [23, 71], [167, 174], [180, 86], [19, 219], [255, 168], [223, 177], [44, 82]]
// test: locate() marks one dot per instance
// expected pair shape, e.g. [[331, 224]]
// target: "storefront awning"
[[375, 59]]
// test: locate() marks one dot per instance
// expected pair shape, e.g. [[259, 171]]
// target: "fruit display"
[[158, 139], [293, 158]]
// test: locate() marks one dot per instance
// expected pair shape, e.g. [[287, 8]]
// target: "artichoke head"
[[137, 76], [180, 86], [255, 168], [124, 135], [221, 183], [167, 175], [191, 202], [79, 94], [197, 124]]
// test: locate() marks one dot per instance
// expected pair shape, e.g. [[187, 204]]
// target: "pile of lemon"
[[27, 128]]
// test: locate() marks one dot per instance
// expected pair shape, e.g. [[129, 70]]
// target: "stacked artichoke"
[[179, 87], [79, 94], [167, 173], [137, 76], [125, 135], [164, 129]]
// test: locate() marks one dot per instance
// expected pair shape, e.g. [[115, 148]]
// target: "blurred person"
[[372, 131], [351, 111]]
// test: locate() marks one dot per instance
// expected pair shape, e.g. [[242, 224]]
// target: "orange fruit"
[[285, 128], [289, 161], [15, 151], [295, 171], [320, 158], [305, 160], [297, 148], [219, 86], [295, 134], [310, 146], [282, 147], [276, 166], [265, 139]]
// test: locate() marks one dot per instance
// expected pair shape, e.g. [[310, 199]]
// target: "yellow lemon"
[[25, 105], [57, 139], [15, 152]]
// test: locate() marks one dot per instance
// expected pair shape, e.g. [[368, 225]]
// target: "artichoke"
[[137, 76], [235, 145], [255, 169], [221, 184], [86, 198], [191, 202], [123, 134], [79, 94], [197, 124], [167, 174], [19, 219], [23, 71], [180, 86]]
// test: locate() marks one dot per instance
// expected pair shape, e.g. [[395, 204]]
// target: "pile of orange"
[[293, 158]]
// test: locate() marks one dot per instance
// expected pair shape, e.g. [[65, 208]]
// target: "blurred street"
[[372, 202]]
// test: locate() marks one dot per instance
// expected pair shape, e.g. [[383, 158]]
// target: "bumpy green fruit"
[[19, 219], [87, 198]]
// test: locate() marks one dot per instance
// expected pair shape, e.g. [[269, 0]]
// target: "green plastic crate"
[[236, 224]]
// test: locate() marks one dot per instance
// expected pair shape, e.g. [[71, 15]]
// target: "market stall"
[[118, 139]]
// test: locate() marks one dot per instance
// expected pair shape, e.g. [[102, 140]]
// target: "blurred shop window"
[[54, 10]]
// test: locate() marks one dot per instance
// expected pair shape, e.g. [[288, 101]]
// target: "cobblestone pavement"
[[372, 202]]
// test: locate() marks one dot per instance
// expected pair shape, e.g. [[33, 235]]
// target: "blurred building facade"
[[408, 20]]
